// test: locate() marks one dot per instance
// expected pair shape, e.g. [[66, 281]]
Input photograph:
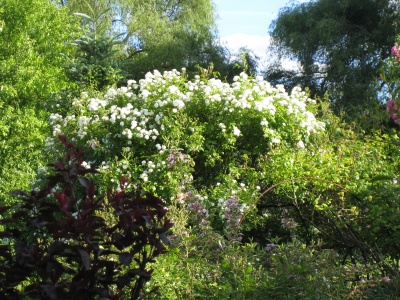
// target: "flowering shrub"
[[178, 135], [167, 129]]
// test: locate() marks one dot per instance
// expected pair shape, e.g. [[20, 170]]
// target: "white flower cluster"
[[150, 168], [146, 112], [246, 95]]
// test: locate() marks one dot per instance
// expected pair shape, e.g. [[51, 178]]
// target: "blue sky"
[[246, 22], [246, 16]]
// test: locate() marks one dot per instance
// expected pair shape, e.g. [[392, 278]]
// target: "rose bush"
[[178, 134]]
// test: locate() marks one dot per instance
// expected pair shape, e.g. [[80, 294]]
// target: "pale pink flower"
[[395, 52], [300, 144]]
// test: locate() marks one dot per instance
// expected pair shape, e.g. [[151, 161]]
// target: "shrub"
[[65, 241], [201, 134]]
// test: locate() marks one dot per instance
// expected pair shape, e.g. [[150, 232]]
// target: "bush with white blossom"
[[174, 133]]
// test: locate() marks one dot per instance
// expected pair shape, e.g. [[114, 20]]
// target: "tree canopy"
[[338, 43], [157, 34]]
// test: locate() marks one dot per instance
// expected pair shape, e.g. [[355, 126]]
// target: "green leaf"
[[249, 269]]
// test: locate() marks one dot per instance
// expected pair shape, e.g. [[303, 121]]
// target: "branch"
[[136, 52]]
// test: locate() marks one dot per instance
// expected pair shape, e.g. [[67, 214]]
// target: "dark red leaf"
[[74, 172], [91, 189], [88, 171], [5, 252], [53, 247], [84, 181], [56, 270], [15, 275], [62, 199], [20, 214], [85, 258], [63, 139], [125, 258], [49, 291], [148, 220], [168, 224], [38, 223], [123, 281], [154, 202], [165, 239], [59, 166], [138, 272], [103, 292], [4, 234], [135, 211]]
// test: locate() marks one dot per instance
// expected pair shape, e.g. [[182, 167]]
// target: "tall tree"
[[93, 65], [339, 45], [158, 34]]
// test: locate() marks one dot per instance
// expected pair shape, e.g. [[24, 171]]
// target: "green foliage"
[[32, 37], [172, 34], [299, 271], [204, 264], [22, 135], [390, 75], [334, 183], [345, 42], [157, 34]]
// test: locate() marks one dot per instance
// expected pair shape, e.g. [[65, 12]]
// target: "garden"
[[184, 184]]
